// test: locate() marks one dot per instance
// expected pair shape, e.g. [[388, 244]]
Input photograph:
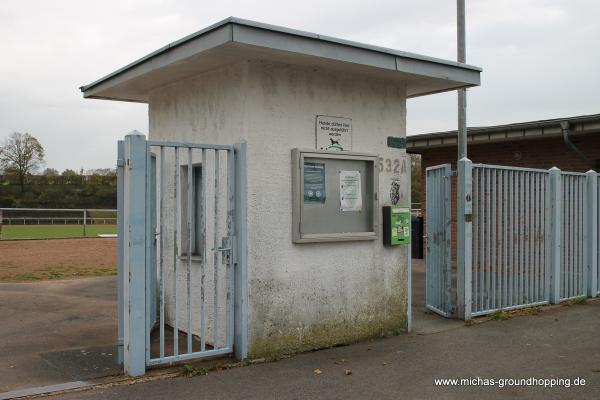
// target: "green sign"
[[396, 142], [396, 225]]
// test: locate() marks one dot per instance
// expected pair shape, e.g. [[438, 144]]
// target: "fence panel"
[[191, 258], [594, 243], [574, 220], [439, 238], [510, 265]]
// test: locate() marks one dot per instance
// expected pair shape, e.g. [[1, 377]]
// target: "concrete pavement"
[[559, 342], [57, 331]]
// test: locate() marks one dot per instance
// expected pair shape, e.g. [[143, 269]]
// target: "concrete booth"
[[313, 131]]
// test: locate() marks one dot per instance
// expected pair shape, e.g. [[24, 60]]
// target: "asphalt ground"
[[57, 331], [561, 343]]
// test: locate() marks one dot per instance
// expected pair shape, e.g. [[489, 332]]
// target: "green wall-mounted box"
[[396, 225]]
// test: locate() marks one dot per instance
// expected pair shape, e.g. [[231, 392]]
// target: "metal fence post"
[[464, 212], [592, 233], [120, 247], [240, 344], [135, 254], [84, 223], [555, 233]]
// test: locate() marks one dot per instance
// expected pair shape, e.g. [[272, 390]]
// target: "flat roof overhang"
[[233, 40]]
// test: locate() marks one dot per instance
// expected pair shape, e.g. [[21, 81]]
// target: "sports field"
[[53, 231]]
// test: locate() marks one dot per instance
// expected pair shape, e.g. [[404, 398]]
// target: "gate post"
[[240, 340], [592, 232], [464, 212], [555, 233], [120, 247], [134, 219]]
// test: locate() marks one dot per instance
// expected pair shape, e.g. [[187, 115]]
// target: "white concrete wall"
[[301, 296]]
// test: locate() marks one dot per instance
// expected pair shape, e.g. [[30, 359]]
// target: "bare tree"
[[21, 154]]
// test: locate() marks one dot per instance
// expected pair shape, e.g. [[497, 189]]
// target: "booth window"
[[195, 210]]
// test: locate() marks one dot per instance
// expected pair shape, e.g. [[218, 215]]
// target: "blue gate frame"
[[147, 247], [439, 239]]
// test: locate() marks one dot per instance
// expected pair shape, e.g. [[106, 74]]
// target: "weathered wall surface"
[[301, 296]]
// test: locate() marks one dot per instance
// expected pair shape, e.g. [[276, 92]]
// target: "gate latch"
[[226, 248]]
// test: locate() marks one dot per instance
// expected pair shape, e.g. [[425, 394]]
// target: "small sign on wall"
[[333, 133]]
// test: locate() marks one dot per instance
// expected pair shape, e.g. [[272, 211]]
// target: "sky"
[[540, 59]]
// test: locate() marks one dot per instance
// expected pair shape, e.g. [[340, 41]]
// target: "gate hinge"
[[120, 162]]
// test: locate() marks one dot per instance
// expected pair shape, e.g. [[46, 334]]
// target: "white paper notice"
[[350, 191]]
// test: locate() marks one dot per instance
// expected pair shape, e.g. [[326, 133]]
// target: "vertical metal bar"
[[203, 209], [120, 247], [241, 289], [592, 233], [462, 93], [500, 256], [231, 240], [494, 247], [148, 266], [190, 172], [475, 238], [464, 217], [576, 235], [482, 251], [565, 233], [532, 258], [84, 223], [430, 235], [521, 234], [547, 237], [527, 235], [447, 207], [429, 243], [505, 220], [536, 242], [435, 238], [510, 222], [135, 255], [556, 227], [436, 266], [161, 249], [216, 256], [488, 266], [440, 240], [571, 237], [538, 236], [583, 221], [176, 222]]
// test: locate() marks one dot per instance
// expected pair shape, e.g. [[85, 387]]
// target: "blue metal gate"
[[439, 239], [182, 252]]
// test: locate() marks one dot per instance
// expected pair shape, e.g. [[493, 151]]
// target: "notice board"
[[346, 207]]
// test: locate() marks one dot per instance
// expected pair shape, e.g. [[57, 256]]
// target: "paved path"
[[57, 331], [559, 342]]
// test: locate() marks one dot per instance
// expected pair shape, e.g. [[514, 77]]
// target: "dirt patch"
[[34, 260]]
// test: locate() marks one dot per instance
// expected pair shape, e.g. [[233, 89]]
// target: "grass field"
[[53, 231]]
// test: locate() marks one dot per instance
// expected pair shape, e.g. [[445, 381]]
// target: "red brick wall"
[[533, 153]]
